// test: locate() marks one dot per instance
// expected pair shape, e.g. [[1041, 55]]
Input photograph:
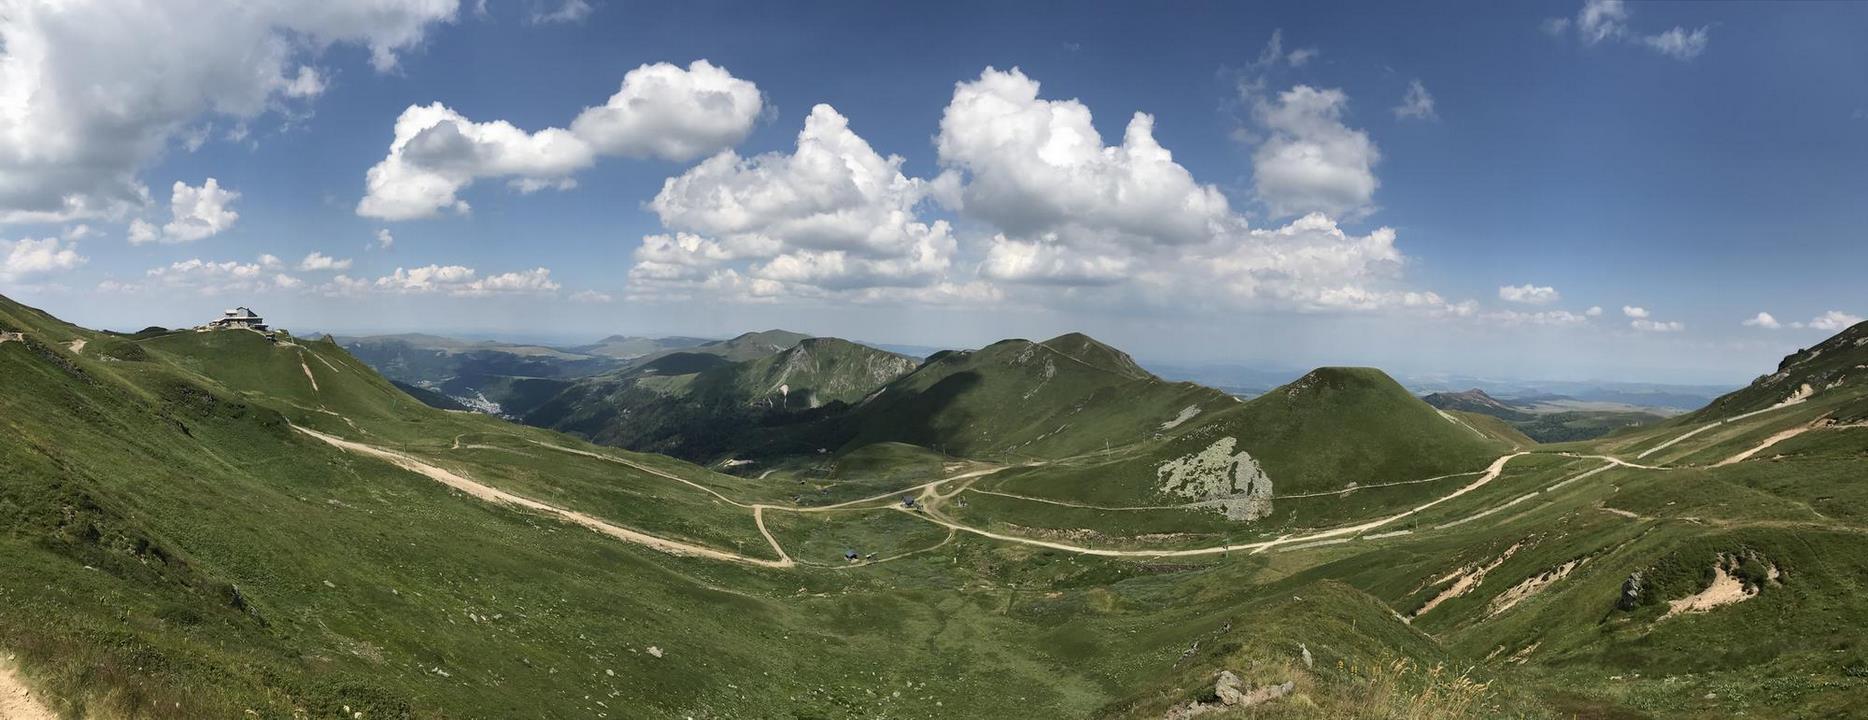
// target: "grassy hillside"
[[172, 546], [705, 405], [1338, 445], [1017, 399], [1827, 366]]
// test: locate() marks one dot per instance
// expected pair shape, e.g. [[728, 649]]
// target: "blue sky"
[[1679, 167]]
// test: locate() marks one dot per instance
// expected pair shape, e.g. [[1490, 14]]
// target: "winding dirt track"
[[1490, 474], [930, 492], [492, 494]]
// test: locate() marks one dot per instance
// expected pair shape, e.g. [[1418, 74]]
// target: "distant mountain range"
[[1550, 418]]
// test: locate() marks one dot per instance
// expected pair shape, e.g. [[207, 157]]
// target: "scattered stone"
[[657, 652], [1632, 590]]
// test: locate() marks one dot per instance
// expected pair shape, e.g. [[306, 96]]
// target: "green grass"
[[170, 548]]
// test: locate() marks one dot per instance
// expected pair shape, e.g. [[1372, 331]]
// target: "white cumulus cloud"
[[194, 213], [437, 152], [1634, 312], [832, 215], [26, 257], [1071, 210], [92, 91], [460, 280], [318, 261], [672, 113], [1832, 321], [208, 276], [1309, 160], [1528, 294], [660, 111], [1763, 320]]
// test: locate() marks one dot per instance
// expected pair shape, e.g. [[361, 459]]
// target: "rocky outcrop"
[[1633, 589], [1231, 693], [1219, 478]]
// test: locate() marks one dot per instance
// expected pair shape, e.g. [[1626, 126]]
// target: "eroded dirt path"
[[1761, 447], [496, 495], [308, 375], [18, 702], [1794, 400]]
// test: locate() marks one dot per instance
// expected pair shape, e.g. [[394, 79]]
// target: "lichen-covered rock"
[[1217, 477]]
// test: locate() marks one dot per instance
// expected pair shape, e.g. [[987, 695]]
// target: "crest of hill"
[[1837, 364], [1331, 429], [630, 347], [752, 345], [820, 371], [1476, 401], [1338, 425], [701, 403], [1089, 351], [1018, 398]]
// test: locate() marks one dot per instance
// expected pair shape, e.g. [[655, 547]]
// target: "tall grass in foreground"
[[1402, 690]]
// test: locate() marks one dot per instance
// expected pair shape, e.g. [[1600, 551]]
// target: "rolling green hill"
[[1476, 401], [222, 525], [1017, 399], [702, 404]]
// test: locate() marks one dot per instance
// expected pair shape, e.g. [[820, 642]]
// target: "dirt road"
[[1490, 474], [929, 492], [492, 494]]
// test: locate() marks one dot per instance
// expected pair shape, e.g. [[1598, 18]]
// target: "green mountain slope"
[[172, 545], [752, 345], [702, 404], [1837, 364], [1476, 401], [1337, 445], [1017, 399]]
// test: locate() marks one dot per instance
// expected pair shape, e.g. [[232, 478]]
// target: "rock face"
[[1220, 478], [1632, 590]]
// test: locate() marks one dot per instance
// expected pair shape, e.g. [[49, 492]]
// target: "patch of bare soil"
[[1531, 586], [1726, 589], [18, 702], [1464, 580]]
